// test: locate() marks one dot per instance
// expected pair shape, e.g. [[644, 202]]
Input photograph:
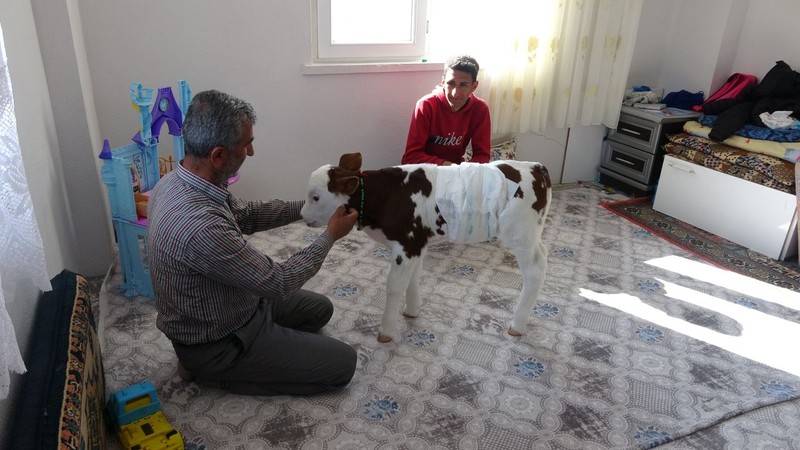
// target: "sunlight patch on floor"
[[764, 338], [729, 280]]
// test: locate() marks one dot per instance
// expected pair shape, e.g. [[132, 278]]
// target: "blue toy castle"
[[131, 171]]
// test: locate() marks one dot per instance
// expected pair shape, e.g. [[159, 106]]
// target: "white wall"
[[60, 40], [696, 46], [769, 34], [255, 50]]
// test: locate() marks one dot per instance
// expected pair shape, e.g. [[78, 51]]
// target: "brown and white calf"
[[407, 207]]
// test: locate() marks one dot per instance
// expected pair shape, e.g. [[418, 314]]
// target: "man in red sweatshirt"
[[449, 118]]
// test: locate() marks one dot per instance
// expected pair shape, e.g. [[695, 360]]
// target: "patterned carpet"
[[707, 246], [633, 343]]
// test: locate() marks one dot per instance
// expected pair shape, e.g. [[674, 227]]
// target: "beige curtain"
[[555, 63]]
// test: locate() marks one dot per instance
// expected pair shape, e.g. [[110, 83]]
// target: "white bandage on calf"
[[470, 197]]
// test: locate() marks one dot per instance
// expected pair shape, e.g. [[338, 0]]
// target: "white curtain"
[[21, 250], [545, 63]]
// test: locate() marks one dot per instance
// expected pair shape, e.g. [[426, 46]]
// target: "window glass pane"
[[372, 22], [370, 30]]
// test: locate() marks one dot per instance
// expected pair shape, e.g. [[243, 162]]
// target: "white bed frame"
[[747, 213]]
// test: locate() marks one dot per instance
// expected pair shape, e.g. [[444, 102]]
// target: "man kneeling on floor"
[[236, 318]]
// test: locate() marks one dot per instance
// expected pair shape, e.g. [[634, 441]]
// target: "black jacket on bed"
[[779, 90]]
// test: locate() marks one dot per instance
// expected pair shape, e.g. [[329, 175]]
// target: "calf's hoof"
[[409, 315], [382, 338], [514, 332]]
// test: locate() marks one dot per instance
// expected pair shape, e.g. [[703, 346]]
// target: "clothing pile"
[[641, 94], [777, 95]]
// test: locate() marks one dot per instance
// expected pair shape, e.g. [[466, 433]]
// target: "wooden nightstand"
[[632, 159]]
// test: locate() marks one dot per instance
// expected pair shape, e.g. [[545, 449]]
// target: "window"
[[384, 31], [371, 31], [544, 63]]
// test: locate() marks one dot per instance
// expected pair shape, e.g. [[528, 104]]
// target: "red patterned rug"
[[709, 247]]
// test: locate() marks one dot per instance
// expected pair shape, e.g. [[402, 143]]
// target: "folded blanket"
[[789, 151], [755, 132]]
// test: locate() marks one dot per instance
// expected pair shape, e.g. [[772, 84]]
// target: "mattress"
[[766, 170]]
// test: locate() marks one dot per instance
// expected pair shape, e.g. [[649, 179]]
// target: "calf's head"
[[329, 187]]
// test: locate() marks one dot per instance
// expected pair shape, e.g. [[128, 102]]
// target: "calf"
[[406, 207]]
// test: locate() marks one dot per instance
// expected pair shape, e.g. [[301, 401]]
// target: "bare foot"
[[384, 339], [514, 332]]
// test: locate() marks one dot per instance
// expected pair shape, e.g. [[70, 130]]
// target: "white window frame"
[[327, 52]]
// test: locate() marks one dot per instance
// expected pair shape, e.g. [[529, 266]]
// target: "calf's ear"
[[350, 161], [345, 185]]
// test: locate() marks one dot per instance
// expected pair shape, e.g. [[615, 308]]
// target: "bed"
[[741, 189]]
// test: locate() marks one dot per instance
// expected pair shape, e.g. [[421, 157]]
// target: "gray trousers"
[[277, 352]]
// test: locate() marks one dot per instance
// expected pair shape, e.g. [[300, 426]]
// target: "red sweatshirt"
[[437, 134]]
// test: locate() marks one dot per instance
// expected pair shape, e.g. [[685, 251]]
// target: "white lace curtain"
[[546, 63], [21, 250]]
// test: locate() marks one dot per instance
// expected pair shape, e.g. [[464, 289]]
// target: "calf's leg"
[[396, 286], [533, 266], [413, 301]]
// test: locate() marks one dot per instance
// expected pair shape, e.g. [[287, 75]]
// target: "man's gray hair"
[[215, 119]]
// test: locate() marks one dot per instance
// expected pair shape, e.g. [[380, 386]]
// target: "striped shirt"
[[207, 278]]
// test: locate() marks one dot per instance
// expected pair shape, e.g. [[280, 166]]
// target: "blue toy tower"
[[131, 171]]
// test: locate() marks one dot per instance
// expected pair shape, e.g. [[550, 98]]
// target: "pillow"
[[503, 150]]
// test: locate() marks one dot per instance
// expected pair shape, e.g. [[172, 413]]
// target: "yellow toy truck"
[[135, 413]]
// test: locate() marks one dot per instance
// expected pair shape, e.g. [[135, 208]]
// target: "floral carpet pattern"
[[623, 350]]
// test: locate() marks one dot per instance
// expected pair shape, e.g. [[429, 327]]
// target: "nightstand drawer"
[[632, 153], [631, 162], [636, 132]]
